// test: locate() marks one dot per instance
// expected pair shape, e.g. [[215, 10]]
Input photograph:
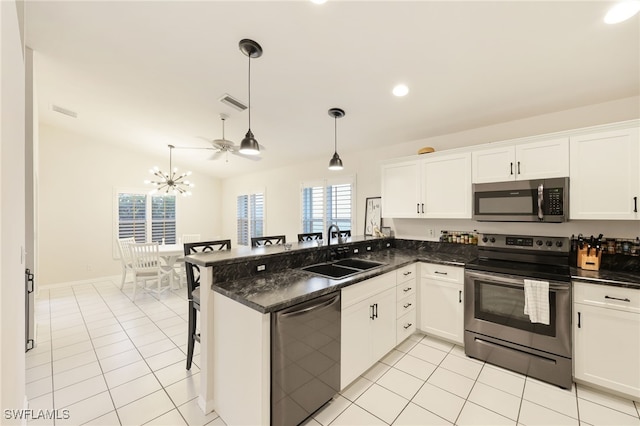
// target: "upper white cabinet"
[[604, 175], [438, 186], [446, 186], [533, 160], [401, 189]]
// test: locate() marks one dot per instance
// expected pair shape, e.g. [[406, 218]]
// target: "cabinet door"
[[441, 309], [493, 165], [607, 348], [355, 342], [383, 326], [446, 186], [401, 191], [604, 175], [540, 160]]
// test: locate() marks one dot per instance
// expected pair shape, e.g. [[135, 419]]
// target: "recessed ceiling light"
[[400, 90], [318, 1], [622, 11]]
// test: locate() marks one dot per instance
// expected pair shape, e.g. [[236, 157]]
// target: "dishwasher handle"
[[311, 305]]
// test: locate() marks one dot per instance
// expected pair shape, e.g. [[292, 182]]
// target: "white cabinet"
[[446, 186], [604, 175], [401, 190], [438, 186], [368, 325], [442, 301], [406, 302], [533, 160], [606, 327]]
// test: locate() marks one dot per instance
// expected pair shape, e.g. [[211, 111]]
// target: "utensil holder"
[[589, 261]]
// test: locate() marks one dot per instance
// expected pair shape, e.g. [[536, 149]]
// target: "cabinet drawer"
[[406, 305], [406, 289], [406, 325], [406, 273], [361, 291], [442, 272], [622, 298]]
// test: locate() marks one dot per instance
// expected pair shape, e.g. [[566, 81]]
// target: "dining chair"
[[193, 288], [125, 256], [179, 265], [268, 241], [309, 236], [146, 266], [341, 234]]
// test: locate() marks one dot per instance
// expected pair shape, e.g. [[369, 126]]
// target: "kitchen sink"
[[342, 268], [361, 264]]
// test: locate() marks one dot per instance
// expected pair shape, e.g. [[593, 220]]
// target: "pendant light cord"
[[249, 90], [335, 136]]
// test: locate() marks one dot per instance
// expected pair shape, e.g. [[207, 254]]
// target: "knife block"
[[591, 261]]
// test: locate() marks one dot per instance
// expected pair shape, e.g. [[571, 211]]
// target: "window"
[[326, 202], [141, 215], [250, 217]]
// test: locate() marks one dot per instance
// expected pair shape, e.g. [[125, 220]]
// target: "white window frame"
[[148, 215], [324, 183], [250, 219]]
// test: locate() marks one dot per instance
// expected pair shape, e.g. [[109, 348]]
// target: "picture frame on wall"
[[372, 215]]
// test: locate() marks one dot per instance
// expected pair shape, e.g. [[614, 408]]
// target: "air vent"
[[64, 111], [232, 102]]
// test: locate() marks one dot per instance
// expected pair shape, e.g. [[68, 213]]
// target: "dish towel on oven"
[[536, 301]]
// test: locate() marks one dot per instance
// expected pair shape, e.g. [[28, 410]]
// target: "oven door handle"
[[512, 282]]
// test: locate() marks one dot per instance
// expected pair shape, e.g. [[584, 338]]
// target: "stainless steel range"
[[496, 328]]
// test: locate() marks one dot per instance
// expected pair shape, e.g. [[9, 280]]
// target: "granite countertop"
[[615, 278], [278, 290]]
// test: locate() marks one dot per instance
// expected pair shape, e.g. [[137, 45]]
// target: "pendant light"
[[336, 162], [170, 182], [249, 145]]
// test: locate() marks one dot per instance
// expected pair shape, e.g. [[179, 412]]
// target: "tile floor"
[[110, 361]]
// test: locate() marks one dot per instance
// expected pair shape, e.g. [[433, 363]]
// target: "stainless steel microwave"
[[539, 200]]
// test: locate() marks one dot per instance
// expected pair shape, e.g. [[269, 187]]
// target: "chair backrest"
[[145, 257], [268, 241], [193, 271], [125, 251], [190, 238], [342, 234], [309, 236]]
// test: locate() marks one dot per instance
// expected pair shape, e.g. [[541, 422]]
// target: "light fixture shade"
[[336, 162], [249, 145]]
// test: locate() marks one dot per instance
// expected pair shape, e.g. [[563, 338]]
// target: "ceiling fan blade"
[[248, 157], [216, 155], [193, 147]]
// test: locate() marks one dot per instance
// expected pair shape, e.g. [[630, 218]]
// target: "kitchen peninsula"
[[235, 316]]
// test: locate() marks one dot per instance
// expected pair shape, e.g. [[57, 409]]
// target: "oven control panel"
[[525, 242]]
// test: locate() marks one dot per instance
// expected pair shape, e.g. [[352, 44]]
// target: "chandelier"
[[170, 182]]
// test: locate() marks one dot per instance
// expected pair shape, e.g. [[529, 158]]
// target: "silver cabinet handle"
[[406, 289], [406, 273], [407, 305], [441, 273], [617, 298], [407, 326], [459, 296]]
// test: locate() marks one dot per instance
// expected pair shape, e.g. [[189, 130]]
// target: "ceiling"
[[145, 74]]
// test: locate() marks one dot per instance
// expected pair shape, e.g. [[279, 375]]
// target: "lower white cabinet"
[[442, 301], [368, 325], [606, 332], [406, 302]]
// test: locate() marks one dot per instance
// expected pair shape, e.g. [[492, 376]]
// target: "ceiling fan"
[[222, 147]]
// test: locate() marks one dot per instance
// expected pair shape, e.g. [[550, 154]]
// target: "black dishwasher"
[[305, 358]]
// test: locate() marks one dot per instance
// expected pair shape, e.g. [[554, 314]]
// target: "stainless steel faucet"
[[333, 225]]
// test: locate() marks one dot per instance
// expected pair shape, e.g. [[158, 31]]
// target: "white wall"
[[12, 212], [77, 179], [282, 185]]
